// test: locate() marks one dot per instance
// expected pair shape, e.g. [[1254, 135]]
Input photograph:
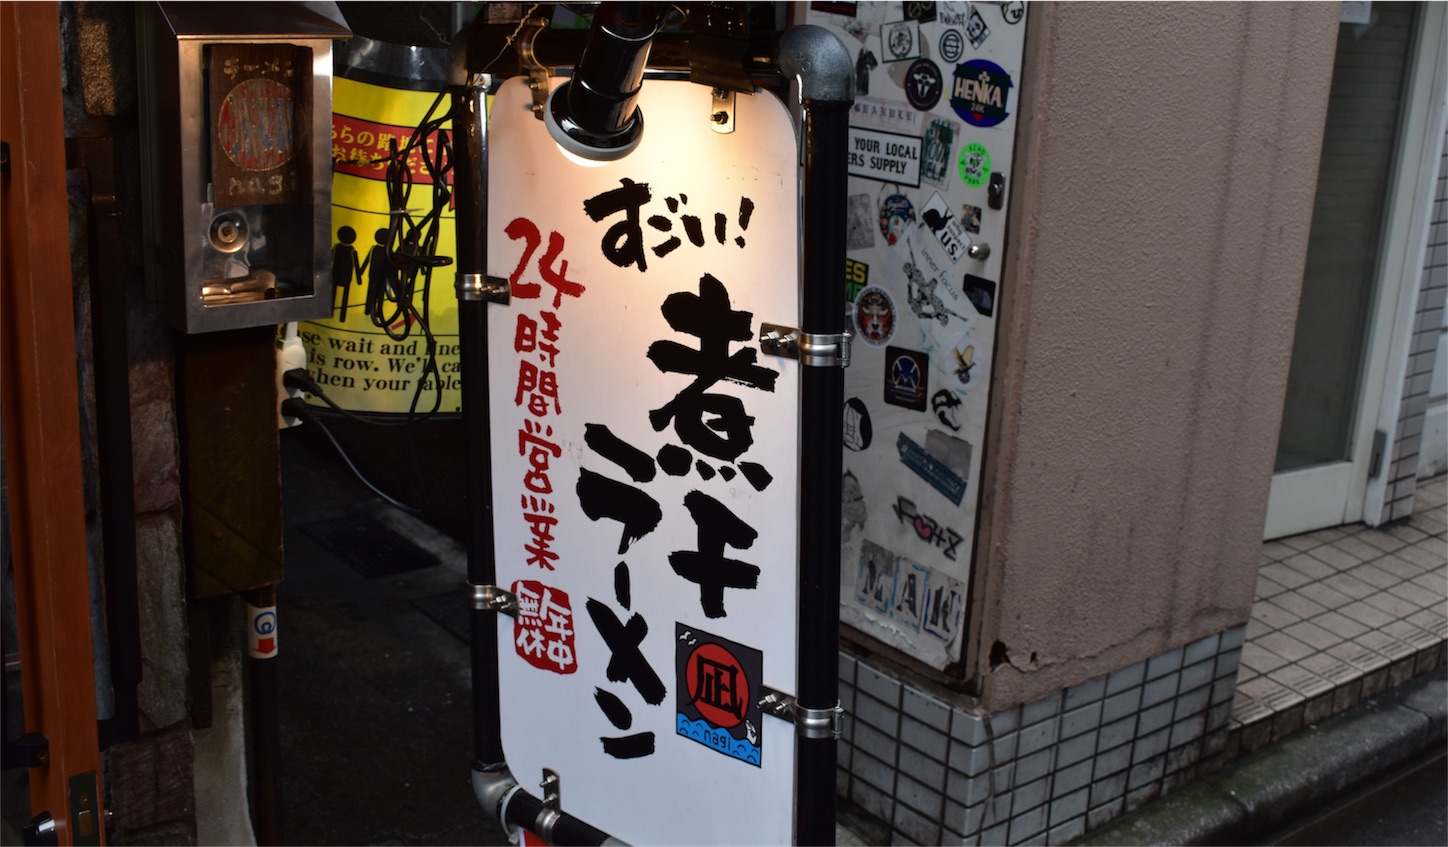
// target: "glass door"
[[1325, 448]]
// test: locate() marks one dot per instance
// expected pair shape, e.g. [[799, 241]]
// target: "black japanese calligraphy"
[[623, 242], [626, 662], [707, 566], [602, 497], [708, 316], [635, 462]]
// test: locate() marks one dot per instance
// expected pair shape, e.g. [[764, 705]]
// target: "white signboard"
[[645, 457]]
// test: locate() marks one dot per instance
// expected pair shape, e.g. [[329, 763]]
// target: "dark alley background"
[[375, 694]]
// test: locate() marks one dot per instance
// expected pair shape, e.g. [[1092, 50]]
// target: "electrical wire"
[[297, 408], [300, 380]]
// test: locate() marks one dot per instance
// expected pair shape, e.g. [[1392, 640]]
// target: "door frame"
[[1409, 221], [1294, 503]]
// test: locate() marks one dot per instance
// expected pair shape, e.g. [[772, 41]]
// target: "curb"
[[1293, 779]]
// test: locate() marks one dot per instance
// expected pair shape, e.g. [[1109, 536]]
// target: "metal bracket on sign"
[[538, 74], [809, 723], [820, 350], [491, 598], [820, 723], [493, 289], [721, 111], [776, 703], [471, 286], [497, 290], [552, 787]]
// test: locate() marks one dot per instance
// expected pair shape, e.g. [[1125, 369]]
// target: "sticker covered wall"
[[932, 141], [645, 496]]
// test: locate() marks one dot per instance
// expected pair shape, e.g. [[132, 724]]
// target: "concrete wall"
[[1166, 163]]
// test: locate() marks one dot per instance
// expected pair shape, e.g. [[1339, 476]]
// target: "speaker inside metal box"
[[236, 114]]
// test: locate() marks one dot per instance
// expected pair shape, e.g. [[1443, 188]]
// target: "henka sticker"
[[980, 93]]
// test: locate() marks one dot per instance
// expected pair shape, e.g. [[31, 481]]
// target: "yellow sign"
[[372, 354]]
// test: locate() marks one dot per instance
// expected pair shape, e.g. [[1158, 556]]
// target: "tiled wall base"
[[1042, 773]]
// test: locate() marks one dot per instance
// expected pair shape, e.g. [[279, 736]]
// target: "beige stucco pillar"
[[1163, 187]]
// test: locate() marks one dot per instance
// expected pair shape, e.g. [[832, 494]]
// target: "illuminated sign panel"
[[645, 466]]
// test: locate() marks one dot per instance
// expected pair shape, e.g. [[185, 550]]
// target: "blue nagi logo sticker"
[[718, 683]]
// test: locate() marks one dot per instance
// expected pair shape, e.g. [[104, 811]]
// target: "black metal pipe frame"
[[264, 709], [470, 151], [825, 73], [822, 67], [115, 492], [494, 785]]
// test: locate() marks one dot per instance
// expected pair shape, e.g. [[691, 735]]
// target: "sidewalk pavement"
[[1262, 796]]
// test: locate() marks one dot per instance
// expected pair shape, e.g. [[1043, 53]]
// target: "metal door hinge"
[[1380, 444]]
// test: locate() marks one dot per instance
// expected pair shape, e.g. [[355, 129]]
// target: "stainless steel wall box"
[[236, 116]]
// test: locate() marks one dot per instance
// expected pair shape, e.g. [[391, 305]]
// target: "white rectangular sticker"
[[884, 114], [645, 466], [940, 220], [884, 156]]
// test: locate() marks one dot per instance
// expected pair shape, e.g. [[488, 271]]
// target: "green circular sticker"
[[974, 164]]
